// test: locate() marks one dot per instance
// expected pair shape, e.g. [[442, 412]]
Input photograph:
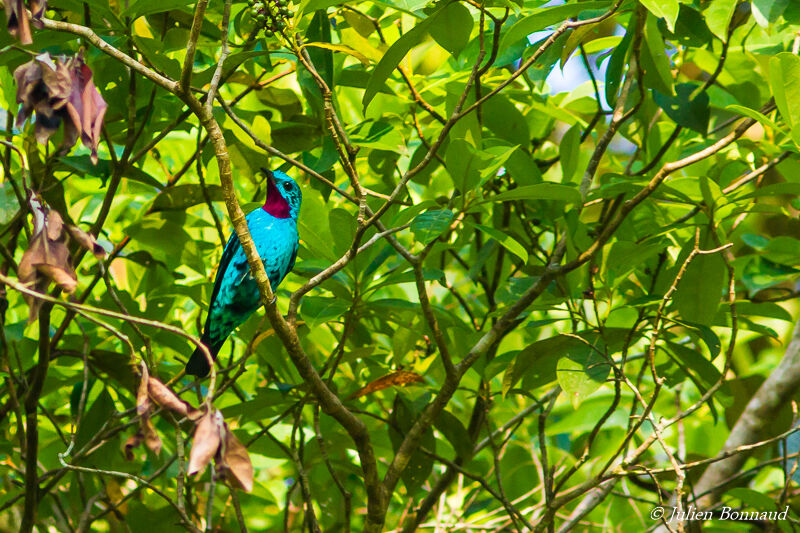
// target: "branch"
[[760, 411], [191, 47], [125, 59]]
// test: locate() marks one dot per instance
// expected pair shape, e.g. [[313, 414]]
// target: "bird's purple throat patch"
[[275, 205]]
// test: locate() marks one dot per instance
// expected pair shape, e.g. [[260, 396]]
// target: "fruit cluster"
[[270, 15]]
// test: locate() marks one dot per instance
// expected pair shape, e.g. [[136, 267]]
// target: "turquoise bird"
[[235, 296]]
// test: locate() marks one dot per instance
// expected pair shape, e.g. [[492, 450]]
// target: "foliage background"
[[592, 293]]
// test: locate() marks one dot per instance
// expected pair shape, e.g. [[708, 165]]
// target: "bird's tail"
[[198, 363]]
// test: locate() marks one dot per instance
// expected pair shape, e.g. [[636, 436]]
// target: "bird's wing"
[[227, 254]]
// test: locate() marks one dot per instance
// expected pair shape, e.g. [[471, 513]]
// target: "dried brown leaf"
[[54, 225], [142, 398], [46, 259], [237, 463], [65, 279], [151, 438], [163, 396], [87, 240], [61, 90], [38, 7], [194, 414], [206, 441], [86, 106], [17, 18], [399, 378], [57, 81], [131, 444]]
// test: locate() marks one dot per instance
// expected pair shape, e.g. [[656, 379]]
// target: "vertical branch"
[[31, 422]]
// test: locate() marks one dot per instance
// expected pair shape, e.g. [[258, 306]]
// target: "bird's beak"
[[270, 179]]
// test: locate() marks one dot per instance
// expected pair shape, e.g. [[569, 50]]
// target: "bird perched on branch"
[[235, 295]]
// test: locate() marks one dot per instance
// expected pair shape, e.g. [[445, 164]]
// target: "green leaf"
[[581, 374], [766, 12], [784, 80], [317, 310], [181, 197], [9, 206], [314, 227], [783, 250], [538, 361], [698, 294], [569, 153], [508, 242], [147, 7], [455, 432], [718, 16], [694, 364], [666, 9], [394, 55], [344, 49], [463, 165], [655, 62], [429, 225], [539, 191], [503, 118], [616, 65], [452, 29], [752, 113], [420, 464], [692, 113], [544, 17]]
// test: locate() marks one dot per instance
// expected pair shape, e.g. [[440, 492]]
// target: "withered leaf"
[[54, 225], [62, 277], [86, 106], [132, 443], [237, 463], [17, 18], [61, 90], [87, 240], [151, 438], [38, 7], [399, 378], [142, 398], [163, 396], [47, 257], [206, 441]]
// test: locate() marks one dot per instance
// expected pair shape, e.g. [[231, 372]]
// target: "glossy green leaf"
[[784, 80], [666, 9], [547, 16], [655, 62], [506, 241], [540, 191], [718, 15], [451, 29], [186, 195], [685, 108], [699, 292], [394, 55], [582, 374], [429, 225], [317, 310], [9, 206]]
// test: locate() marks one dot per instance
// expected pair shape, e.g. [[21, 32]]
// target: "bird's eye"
[[287, 186]]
